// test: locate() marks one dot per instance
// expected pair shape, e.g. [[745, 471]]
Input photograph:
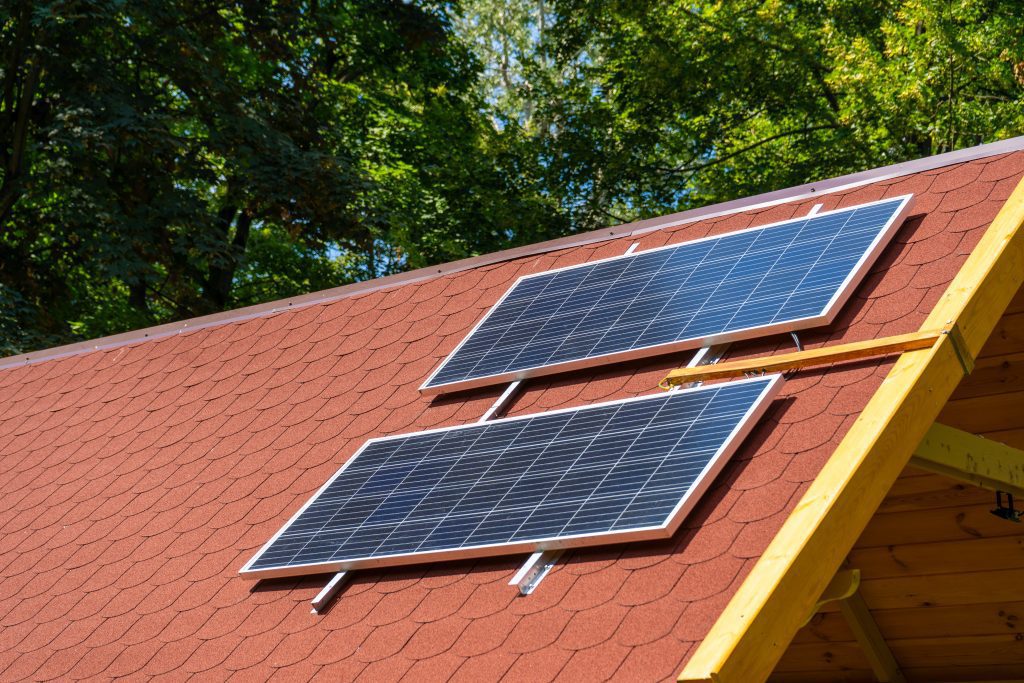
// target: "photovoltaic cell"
[[598, 474], [787, 276]]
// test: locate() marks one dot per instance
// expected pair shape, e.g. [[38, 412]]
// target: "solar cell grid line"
[[764, 277], [811, 269], [524, 471], [432, 448], [719, 284], [570, 469], [623, 311], [781, 277], [621, 470], [608, 473], [582, 316]]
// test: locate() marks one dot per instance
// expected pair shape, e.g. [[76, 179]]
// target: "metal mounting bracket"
[[502, 401], [333, 587], [1007, 511], [706, 355], [534, 570], [959, 347]]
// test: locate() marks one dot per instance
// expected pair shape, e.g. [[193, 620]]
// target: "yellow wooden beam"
[[865, 630], [839, 353], [843, 585], [843, 588], [972, 459], [754, 629]]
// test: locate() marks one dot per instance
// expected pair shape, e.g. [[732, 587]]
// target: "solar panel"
[[777, 278], [616, 471]]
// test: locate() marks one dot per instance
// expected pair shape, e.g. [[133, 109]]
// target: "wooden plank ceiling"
[[942, 576]]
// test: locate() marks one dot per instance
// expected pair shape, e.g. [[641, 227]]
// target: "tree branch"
[[771, 138]]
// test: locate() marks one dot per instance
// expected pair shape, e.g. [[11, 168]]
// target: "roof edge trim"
[[756, 626], [798, 192]]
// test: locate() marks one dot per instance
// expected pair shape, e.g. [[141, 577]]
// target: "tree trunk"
[[217, 291]]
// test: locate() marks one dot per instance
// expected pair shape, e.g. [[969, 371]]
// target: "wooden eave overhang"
[[757, 625]]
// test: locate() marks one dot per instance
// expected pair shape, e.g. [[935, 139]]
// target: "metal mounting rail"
[[499, 405], [705, 355], [840, 353], [534, 569], [333, 587]]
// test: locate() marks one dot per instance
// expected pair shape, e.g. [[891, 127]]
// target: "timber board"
[[931, 622]]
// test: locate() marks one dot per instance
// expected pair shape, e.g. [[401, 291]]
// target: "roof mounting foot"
[[502, 401], [534, 570], [796, 340], [333, 587]]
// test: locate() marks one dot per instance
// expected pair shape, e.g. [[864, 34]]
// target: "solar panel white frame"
[[686, 504], [835, 304]]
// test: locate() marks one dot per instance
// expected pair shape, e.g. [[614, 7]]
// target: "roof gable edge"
[[753, 631]]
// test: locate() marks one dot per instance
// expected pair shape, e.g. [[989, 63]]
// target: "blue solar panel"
[[621, 470], [787, 276]]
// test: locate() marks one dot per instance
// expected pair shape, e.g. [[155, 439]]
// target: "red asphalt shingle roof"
[[135, 481]]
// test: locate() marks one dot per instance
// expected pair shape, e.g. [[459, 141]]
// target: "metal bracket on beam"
[[534, 570], [1008, 511], [960, 347], [705, 355], [333, 587]]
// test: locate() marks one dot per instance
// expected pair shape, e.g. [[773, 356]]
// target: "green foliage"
[[684, 104], [160, 160], [177, 158]]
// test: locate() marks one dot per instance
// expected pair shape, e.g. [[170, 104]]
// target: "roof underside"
[[136, 480], [941, 575]]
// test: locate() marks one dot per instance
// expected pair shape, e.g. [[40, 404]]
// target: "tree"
[[160, 160], [643, 107], [164, 160]]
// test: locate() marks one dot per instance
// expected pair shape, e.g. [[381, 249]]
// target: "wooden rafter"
[[865, 630], [844, 590], [843, 585], [972, 459], [840, 353], [757, 625]]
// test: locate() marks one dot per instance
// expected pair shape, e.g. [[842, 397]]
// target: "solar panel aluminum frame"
[[835, 304], [686, 504]]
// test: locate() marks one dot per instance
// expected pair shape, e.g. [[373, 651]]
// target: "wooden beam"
[[972, 459], [843, 590], [843, 585], [865, 630], [756, 626], [760, 620], [841, 353]]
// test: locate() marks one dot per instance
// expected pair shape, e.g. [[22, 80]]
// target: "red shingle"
[[137, 480]]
